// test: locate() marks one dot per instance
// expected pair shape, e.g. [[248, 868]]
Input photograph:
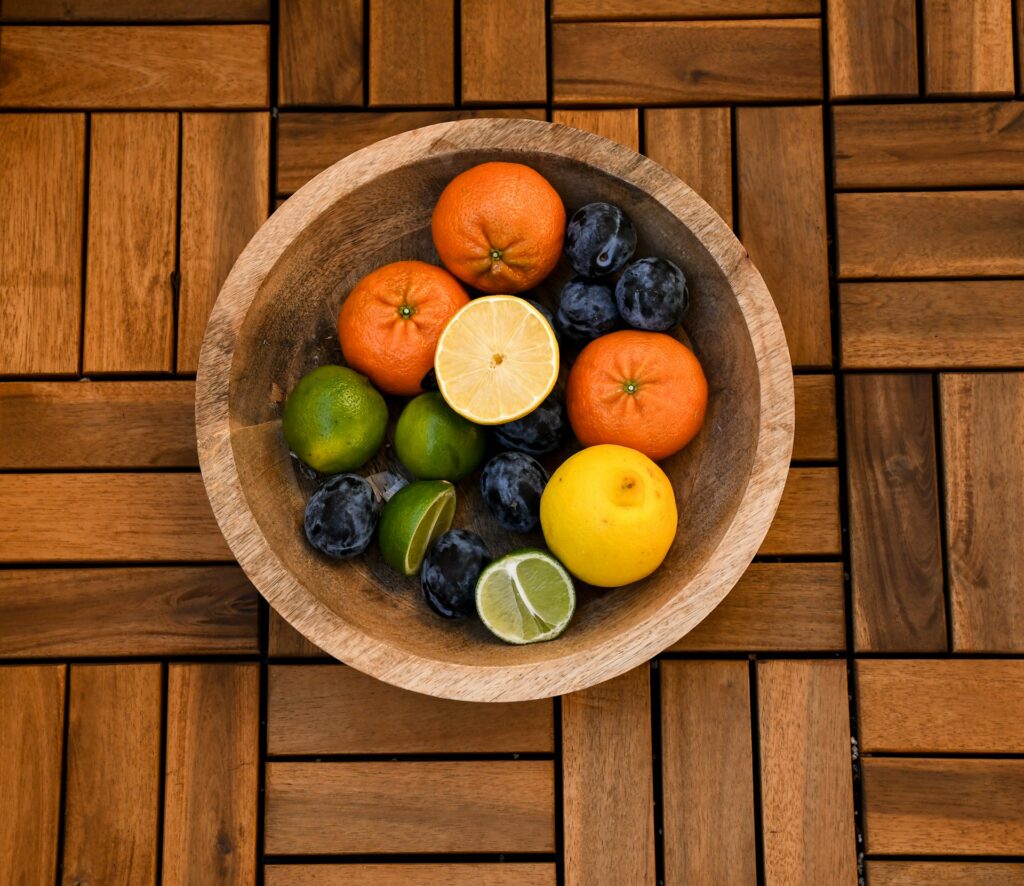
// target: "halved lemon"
[[496, 360]]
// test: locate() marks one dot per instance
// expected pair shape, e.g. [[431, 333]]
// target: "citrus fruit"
[[496, 360], [389, 324], [435, 443], [609, 514], [334, 419], [525, 597], [645, 390], [499, 227], [412, 519]]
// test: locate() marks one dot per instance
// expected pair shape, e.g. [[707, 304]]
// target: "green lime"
[[436, 443], [525, 597], [334, 419], [411, 520]]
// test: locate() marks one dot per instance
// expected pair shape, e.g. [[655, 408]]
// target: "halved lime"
[[525, 597], [411, 520]]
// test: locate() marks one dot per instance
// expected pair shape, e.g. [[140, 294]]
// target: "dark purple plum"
[[511, 485], [586, 310], [599, 240], [450, 570], [341, 516], [651, 295], [537, 432]]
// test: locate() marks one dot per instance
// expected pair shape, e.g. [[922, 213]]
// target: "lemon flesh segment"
[[496, 360], [525, 597]]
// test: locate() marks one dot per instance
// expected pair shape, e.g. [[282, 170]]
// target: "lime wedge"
[[411, 520], [525, 597]]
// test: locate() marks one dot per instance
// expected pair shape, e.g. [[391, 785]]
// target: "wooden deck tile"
[[620, 125], [815, 437], [438, 874], [872, 47], [132, 10], [625, 10], [211, 772], [968, 47], [320, 52], [283, 641], [807, 521], [31, 740], [412, 52], [208, 66], [982, 442], [42, 174], [504, 51], [110, 817], [943, 807], [945, 873], [707, 773], [895, 546]]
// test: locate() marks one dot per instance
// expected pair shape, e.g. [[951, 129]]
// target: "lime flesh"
[[411, 521], [525, 597]]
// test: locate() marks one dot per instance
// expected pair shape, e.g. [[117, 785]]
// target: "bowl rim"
[[584, 667]]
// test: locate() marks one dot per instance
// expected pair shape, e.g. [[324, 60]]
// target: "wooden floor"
[[854, 708]]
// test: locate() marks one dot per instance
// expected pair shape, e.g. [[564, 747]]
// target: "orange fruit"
[[644, 390], [499, 227], [390, 323]]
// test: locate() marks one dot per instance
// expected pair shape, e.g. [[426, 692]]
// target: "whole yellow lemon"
[[609, 514]]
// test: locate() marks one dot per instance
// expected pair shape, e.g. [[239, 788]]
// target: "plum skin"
[[511, 485], [341, 516], [651, 295], [599, 240], [450, 571]]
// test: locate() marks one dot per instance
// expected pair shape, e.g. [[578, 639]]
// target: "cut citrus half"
[[496, 360], [412, 519], [525, 597]]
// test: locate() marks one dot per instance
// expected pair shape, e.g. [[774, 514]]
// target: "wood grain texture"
[[206, 66], [283, 641], [807, 521], [781, 183], [438, 874], [939, 707], [625, 10], [42, 174], [983, 458], [412, 52], [815, 438], [961, 233], [504, 51], [113, 777], [133, 218], [892, 490], [98, 424], [945, 873], [211, 774], [949, 144], [132, 10], [407, 807], [225, 190], [117, 612], [806, 776], [31, 742], [89, 517], [607, 787], [872, 48], [968, 47], [679, 62], [943, 807], [620, 125], [707, 773], [696, 145], [320, 52], [776, 606], [322, 710], [930, 325]]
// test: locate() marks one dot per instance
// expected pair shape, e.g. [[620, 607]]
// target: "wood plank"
[[707, 772], [110, 815], [131, 10], [133, 217], [620, 125], [200, 66], [931, 325], [892, 491], [283, 641], [607, 782], [807, 521], [776, 606], [308, 143], [696, 145], [982, 447], [412, 50], [806, 776], [935, 707], [943, 807], [968, 47], [625, 10], [225, 192], [440, 874], [211, 772], [960, 233], [88, 517], [320, 52], [31, 740], [945, 873], [98, 424], [815, 438], [504, 51], [42, 174], [323, 710], [139, 611], [410, 807], [781, 182], [872, 48], [949, 144], [678, 62]]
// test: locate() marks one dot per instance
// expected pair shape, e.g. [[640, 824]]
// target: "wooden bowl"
[[275, 320]]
